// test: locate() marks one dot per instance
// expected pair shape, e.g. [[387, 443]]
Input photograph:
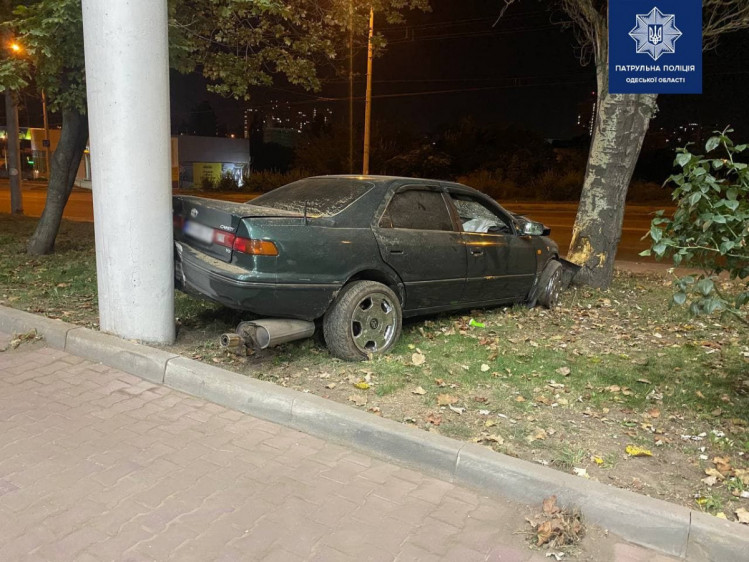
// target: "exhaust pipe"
[[270, 332]]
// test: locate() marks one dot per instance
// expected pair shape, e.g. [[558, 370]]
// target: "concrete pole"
[[368, 97], [127, 83]]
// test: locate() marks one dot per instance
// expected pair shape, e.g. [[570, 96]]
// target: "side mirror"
[[531, 228]]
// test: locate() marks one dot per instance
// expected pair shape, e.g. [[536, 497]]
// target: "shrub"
[[710, 227], [268, 180], [207, 184], [227, 183]]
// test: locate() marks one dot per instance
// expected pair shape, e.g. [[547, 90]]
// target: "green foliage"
[[51, 33], [710, 228], [239, 44]]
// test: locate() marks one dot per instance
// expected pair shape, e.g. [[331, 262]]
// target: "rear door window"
[[417, 210]]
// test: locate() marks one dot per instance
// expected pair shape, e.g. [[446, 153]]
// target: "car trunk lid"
[[209, 225]]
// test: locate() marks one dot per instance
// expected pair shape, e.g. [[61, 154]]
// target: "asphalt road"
[[559, 216]]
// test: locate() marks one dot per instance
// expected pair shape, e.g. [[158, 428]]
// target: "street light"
[[18, 49]]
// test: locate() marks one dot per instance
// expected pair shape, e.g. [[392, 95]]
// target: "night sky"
[[454, 62]]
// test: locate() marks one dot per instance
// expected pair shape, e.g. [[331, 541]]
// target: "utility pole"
[[13, 149], [351, 87], [13, 152], [368, 99], [46, 135]]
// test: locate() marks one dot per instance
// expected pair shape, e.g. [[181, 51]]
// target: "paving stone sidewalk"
[[97, 464]]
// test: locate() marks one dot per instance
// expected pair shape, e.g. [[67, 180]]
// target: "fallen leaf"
[[700, 395], [484, 367], [361, 385], [538, 435], [434, 419], [418, 359], [580, 472], [743, 475], [494, 438], [440, 382], [550, 506], [564, 371], [742, 515], [455, 409], [490, 423], [715, 473], [358, 400], [633, 451], [723, 464], [446, 400], [331, 386], [654, 413], [710, 481], [596, 459], [721, 515], [418, 390], [519, 399]]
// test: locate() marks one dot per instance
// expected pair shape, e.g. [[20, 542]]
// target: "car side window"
[[417, 210], [477, 217]]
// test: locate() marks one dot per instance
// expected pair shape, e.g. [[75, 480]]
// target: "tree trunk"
[[65, 162], [620, 127], [13, 152]]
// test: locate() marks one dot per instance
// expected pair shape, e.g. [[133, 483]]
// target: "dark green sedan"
[[361, 252]]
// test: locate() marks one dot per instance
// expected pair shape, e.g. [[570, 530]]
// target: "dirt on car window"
[[322, 197]]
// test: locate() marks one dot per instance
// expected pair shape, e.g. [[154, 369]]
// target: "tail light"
[[178, 221], [222, 238], [255, 247]]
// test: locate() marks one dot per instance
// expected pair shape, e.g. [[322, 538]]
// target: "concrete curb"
[[665, 527]]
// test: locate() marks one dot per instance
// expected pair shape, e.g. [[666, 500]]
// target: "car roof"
[[380, 180]]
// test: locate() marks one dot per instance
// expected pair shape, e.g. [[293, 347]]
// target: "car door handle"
[[396, 251], [477, 252]]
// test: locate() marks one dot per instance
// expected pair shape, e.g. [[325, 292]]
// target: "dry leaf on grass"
[[715, 473], [564, 371], [446, 400], [434, 419], [361, 385], [742, 515], [455, 409], [418, 359], [723, 464], [418, 390], [633, 451], [358, 400]]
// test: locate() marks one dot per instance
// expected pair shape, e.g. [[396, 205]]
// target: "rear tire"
[[550, 285], [365, 319]]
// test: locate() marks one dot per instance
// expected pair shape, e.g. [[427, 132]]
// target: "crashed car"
[[357, 254]]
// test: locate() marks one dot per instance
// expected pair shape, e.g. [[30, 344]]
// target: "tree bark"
[[65, 162], [620, 126], [13, 152]]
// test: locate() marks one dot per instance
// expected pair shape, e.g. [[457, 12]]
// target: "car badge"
[[193, 213]]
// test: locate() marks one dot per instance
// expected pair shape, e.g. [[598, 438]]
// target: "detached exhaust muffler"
[[262, 334]]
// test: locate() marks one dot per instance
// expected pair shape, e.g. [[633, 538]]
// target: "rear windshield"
[[323, 197]]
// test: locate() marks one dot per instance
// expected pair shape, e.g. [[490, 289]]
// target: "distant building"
[[33, 155], [195, 159]]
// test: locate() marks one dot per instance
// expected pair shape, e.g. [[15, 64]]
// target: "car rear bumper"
[[233, 287]]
